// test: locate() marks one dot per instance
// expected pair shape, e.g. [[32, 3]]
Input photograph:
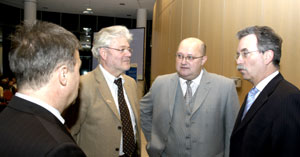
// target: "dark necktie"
[[128, 136]]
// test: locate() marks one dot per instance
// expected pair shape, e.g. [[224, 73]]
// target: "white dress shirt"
[[114, 91], [262, 84], [194, 85]]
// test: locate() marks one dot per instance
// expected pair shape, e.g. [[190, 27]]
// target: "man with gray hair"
[[108, 122], [46, 62], [268, 123]]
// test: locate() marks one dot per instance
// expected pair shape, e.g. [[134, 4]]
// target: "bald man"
[[191, 112]]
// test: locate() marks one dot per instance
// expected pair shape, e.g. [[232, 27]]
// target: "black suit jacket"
[[27, 129], [271, 128]]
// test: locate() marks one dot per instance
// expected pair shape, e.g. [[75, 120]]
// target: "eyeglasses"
[[244, 54], [188, 58], [121, 50]]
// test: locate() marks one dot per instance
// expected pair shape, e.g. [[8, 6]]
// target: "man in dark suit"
[[268, 124], [46, 62]]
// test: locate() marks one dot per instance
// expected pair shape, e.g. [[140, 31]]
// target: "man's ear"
[[103, 53], [268, 56], [63, 75], [204, 59]]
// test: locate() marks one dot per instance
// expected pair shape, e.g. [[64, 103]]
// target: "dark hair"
[[38, 49], [267, 39]]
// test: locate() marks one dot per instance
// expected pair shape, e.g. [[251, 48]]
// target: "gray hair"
[[104, 37], [38, 49], [267, 39]]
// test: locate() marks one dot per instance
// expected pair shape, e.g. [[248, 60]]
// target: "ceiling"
[[113, 8]]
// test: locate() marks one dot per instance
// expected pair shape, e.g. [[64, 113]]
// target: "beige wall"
[[216, 23]]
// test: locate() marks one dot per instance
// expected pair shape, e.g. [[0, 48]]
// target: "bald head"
[[193, 43], [190, 58]]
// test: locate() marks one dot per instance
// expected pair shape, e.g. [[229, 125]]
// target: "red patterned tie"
[[128, 136]]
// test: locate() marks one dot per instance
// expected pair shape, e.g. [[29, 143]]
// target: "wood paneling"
[[163, 56], [211, 26], [190, 18], [216, 22]]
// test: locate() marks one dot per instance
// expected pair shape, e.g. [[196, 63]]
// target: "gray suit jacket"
[[216, 106], [98, 128]]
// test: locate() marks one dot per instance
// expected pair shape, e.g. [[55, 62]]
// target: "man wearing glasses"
[[108, 124], [268, 123], [191, 112]]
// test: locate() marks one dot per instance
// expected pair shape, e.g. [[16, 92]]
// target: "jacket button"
[[117, 149], [119, 127]]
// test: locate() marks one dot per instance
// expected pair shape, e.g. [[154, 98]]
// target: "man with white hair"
[[109, 122]]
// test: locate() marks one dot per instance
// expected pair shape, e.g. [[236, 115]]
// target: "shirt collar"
[[262, 84], [109, 77], [46, 106], [195, 81]]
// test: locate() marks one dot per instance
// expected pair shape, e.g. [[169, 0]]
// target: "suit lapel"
[[173, 85], [258, 103], [105, 92], [201, 91], [239, 117], [131, 96]]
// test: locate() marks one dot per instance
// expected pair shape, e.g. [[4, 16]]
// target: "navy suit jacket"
[[27, 129], [271, 127]]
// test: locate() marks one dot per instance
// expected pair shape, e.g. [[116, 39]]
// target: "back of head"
[[267, 39], [104, 37], [37, 50]]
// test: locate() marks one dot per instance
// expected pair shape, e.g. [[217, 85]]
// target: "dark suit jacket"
[[271, 128], [27, 129]]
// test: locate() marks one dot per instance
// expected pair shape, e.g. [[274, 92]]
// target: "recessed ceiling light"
[[88, 11]]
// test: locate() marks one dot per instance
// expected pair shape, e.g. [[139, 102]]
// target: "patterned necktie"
[[250, 100], [128, 136], [188, 93]]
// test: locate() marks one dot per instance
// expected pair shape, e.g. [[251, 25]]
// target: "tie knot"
[[253, 91], [118, 82], [188, 82]]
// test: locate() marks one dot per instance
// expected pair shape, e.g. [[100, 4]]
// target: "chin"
[[184, 77], [246, 77], [126, 68]]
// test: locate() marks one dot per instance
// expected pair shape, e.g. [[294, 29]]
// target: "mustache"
[[240, 67]]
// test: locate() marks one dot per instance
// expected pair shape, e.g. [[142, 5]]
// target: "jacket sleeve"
[[231, 110], [146, 108]]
